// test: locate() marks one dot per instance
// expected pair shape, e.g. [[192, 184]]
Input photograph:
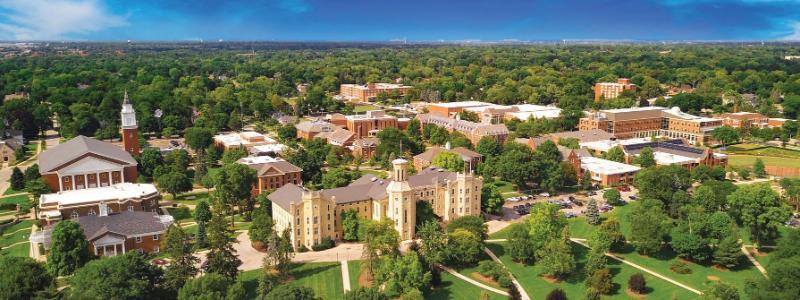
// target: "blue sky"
[[420, 20]]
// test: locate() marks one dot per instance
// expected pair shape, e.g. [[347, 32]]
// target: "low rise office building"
[[369, 92], [652, 121], [473, 131], [242, 140], [611, 90]]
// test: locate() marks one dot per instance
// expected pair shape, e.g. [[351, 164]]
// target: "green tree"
[[472, 224], [69, 249], [615, 154], [612, 196], [380, 238], [637, 283], [725, 135], [202, 214], [608, 237], [149, 160], [288, 291], [758, 168], [209, 286], [414, 129], [464, 247], [221, 257], [177, 245], [783, 281], [287, 133], [365, 293], [449, 160], [17, 179], [174, 183], [279, 253], [592, 213], [646, 158], [556, 258], [545, 224], [233, 155], [338, 177], [350, 225], [586, 181], [491, 199], [721, 291], [261, 228], [402, 274], [601, 281], [22, 277], [198, 138], [32, 172], [556, 294], [128, 276], [425, 212], [728, 252], [651, 226], [519, 243], [758, 207], [234, 184], [689, 244], [489, 147]]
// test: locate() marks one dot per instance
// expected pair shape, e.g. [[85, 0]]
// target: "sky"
[[413, 20]]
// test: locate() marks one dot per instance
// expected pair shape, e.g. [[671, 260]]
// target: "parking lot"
[[572, 204]]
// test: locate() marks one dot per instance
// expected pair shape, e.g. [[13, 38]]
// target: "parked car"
[[623, 188], [545, 194], [570, 214], [632, 197]]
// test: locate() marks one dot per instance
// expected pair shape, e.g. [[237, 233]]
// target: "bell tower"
[[130, 131], [402, 208]]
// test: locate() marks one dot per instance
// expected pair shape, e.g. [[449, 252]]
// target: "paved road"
[[5, 173]]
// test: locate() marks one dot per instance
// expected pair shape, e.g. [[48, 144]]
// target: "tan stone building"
[[370, 91], [611, 90], [371, 123], [309, 129], [473, 131], [313, 215]]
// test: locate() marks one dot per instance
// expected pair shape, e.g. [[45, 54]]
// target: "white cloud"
[[54, 19], [795, 35]]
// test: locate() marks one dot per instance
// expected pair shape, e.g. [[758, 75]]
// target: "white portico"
[[83, 163]]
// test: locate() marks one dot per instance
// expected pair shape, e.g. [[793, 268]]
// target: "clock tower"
[[130, 131]]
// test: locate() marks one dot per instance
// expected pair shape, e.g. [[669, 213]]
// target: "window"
[[74, 214], [138, 239], [140, 250], [130, 207], [155, 237], [92, 212]]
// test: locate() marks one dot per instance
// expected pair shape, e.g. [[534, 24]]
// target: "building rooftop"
[[377, 85], [61, 154], [119, 191], [315, 126], [245, 138], [271, 148], [605, 145], [126, 223], [606, 167], [257, 160], [461, 104], [583, 136]]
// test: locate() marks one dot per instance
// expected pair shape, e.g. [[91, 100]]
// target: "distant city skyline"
[[412, 20]]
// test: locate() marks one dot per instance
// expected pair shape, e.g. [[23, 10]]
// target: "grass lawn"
[[538, 288], [702, 276], [454, 288], [376, 173], [764, 151], [22, 200], [363, 108], [189, 198], [354, 268], [469, 271], [578, 228], [15, 233], [20, 250], [324, 278], [748, 160], [505, 186], [181, 213], [763, 256], [10, 191]]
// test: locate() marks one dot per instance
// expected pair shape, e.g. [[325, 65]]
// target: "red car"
[[623, 188]]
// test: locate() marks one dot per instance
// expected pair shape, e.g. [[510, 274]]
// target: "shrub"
[[600, 281], [680, 267], [495, 271], [556, 294], [324, 244], [637, 283]]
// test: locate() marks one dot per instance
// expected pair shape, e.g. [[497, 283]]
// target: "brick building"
[[272, 173], [471, 158], [365, 147], [309, 129], [608, 173], [369, 92], [86, 202], [611, 90], [84, 162], [242, 140]]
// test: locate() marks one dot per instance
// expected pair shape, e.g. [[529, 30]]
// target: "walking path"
[[754, 261], [472, 281], [651, 272], [345, 276], [523, 294]]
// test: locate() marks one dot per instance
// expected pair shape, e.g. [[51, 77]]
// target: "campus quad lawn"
[[454, 288], [10, 191], [324, 278], [702, 276], [21, 250], [749, 160], [354, 268], [22, 200], [363, 108], [469, 270], [376, 173], [191, 198], [16, 233], [574, 286]]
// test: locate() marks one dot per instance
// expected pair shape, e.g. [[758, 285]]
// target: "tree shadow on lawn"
[[442, 291], [297, 272]]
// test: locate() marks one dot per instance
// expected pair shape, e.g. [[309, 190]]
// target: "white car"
[[545, 194]]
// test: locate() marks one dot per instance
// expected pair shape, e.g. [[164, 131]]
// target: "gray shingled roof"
[[78, 146], [283, 166], [127, 223]]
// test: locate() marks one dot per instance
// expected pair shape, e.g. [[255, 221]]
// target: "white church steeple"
[[128, 115]]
